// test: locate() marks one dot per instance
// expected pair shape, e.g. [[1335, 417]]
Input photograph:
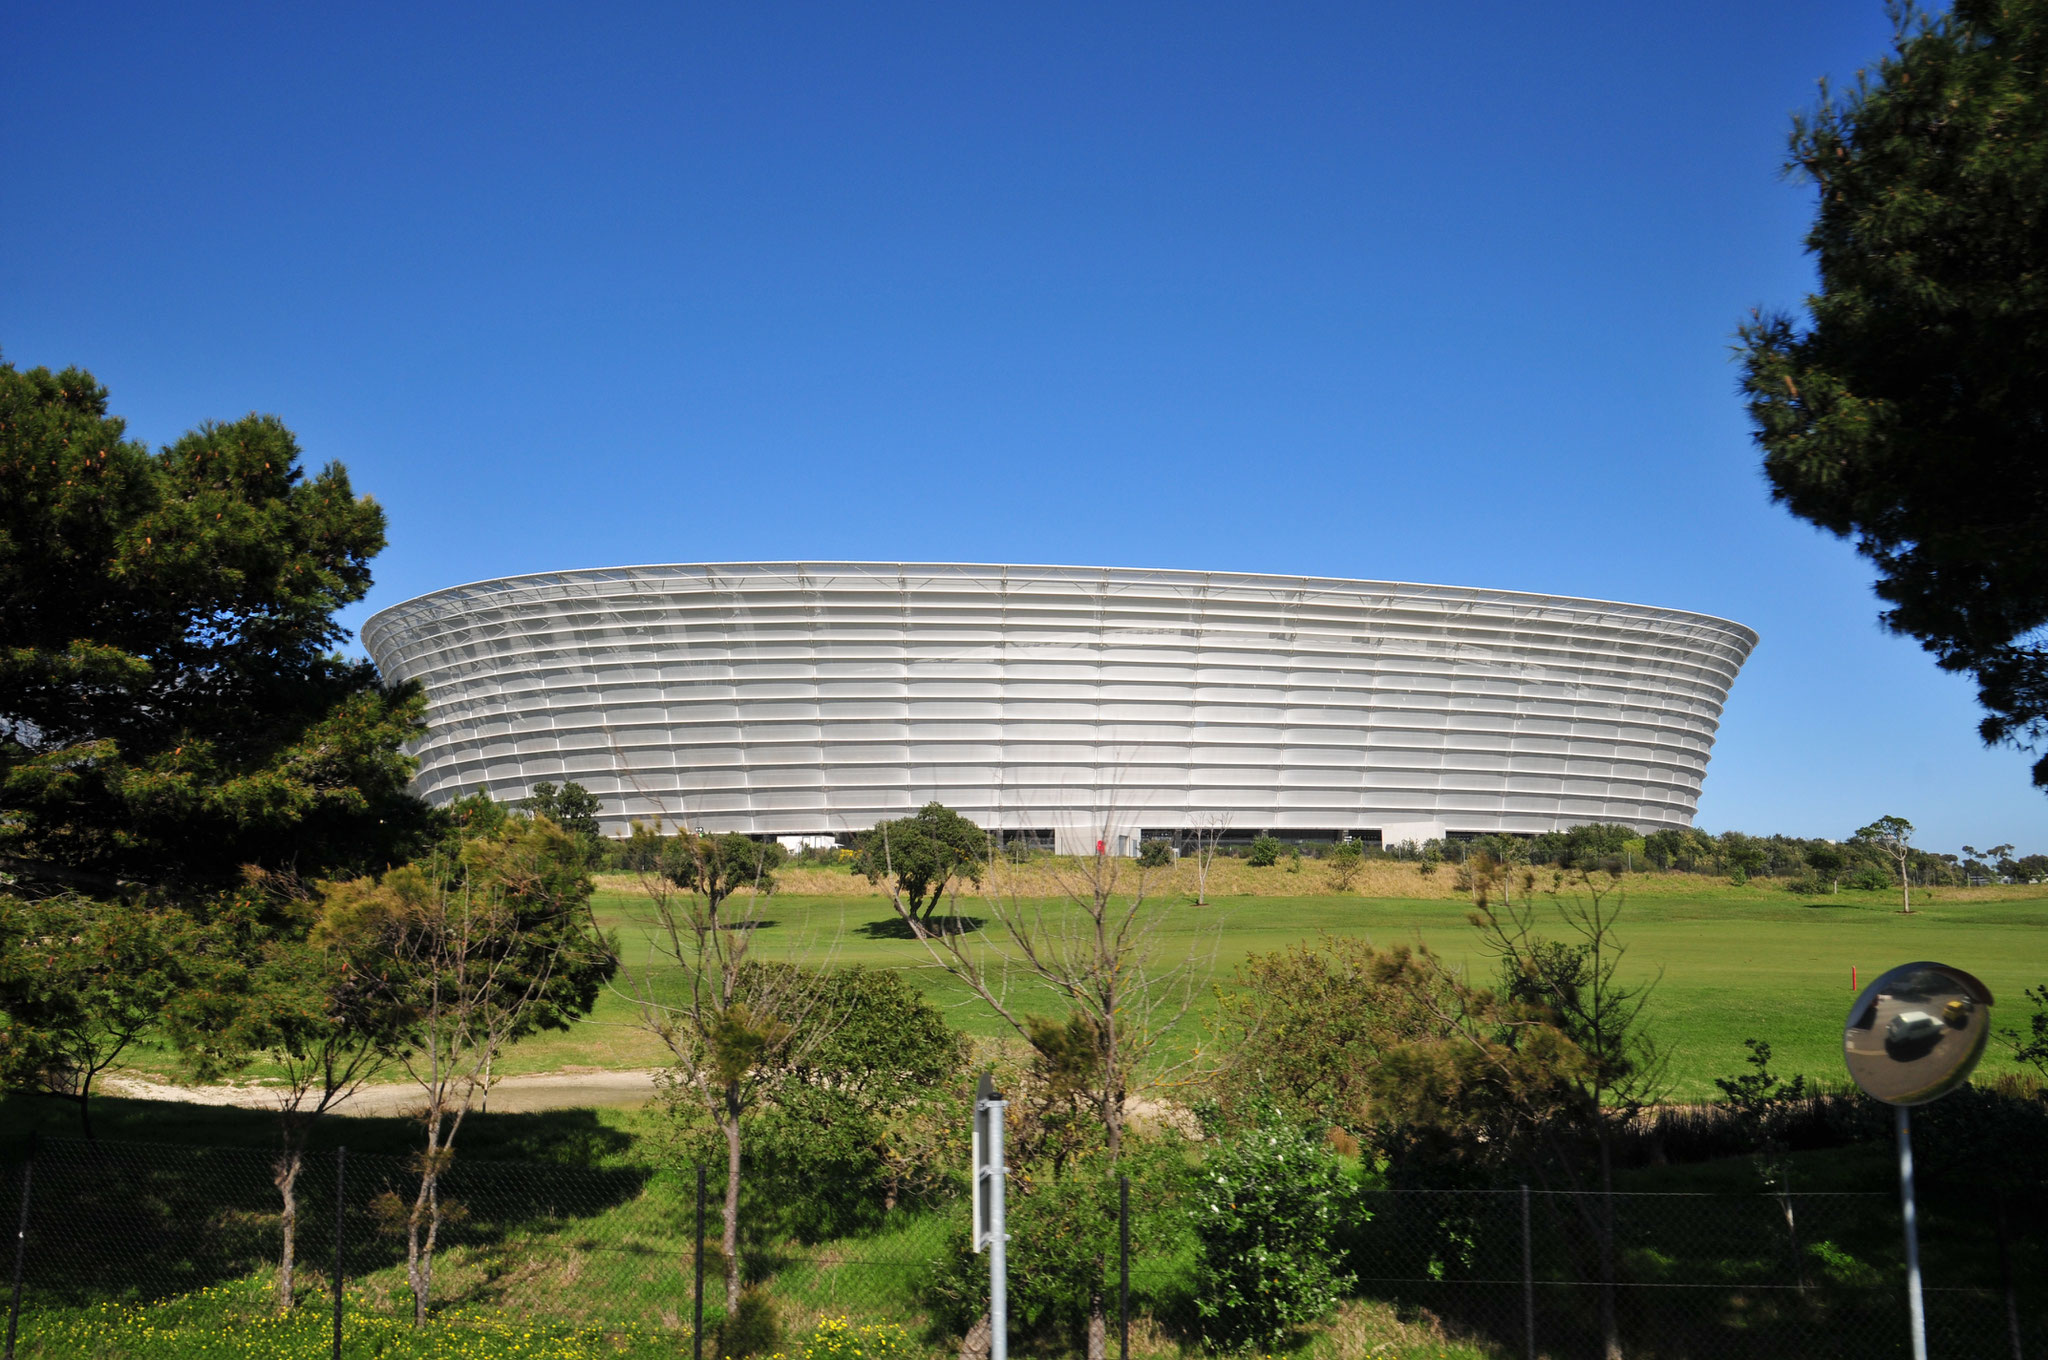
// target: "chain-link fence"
[[122, 1237], [126, 1244], [1529, 1273]]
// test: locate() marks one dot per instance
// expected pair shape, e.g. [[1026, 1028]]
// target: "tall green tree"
[[80, 982], [1910, 411], [171, 705], [571, 807], [1892, 837]]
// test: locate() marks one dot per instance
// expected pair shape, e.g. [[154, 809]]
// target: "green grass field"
[[1729, 963]]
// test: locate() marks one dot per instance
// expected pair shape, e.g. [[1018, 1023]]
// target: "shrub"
[[1265, 852], [1155, 854], [1269, 1205], [1062, 1222], [1345, 862]]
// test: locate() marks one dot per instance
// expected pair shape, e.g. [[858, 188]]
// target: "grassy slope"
[[1735, 963]]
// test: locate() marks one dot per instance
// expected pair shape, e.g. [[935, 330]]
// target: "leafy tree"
[[925, 854], [481, 948], [1908, 413], [573, 808], [1828, 860], [310, 1002], [1892, 837], [81, 981], [719, 866], [1155, 854], [640, 852], [1265, 852], [2028, 869], [1743, 855], [870, 1113], [1308, 1029], [1759, 1095], [170, 706]]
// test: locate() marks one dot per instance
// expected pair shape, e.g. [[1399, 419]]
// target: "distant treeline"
[[1804, 864], [1809, 864]]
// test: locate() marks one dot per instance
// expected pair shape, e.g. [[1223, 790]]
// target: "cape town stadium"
[[1082, 704]]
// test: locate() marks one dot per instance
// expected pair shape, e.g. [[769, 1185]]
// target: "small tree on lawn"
[[1892, 837], [926, 854], [1208, 829]]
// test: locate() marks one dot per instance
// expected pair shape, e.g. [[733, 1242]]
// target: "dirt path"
[[512, 1095]]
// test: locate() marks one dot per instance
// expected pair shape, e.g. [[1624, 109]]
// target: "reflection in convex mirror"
[[1915, 1033]]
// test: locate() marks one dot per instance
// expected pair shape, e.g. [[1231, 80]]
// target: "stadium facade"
[[801, 699]]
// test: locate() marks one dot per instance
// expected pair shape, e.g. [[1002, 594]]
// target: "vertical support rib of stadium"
[[816, 698]]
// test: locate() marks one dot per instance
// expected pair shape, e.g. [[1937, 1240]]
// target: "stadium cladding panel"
[[816, 698]]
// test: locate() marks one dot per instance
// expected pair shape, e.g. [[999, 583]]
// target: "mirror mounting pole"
[[1914, 1303]]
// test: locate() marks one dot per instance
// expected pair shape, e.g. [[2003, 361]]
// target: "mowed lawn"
[[1728, 963]]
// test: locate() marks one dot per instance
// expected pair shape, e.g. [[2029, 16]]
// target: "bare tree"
[[1094, 952], [735, 1026], [1209, 829], [1575, 985]]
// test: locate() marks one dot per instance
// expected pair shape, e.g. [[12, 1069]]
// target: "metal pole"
[[998, 1240], [1914, 1304], [340, 1174], [28, 1171], [1123, 1238], [1528, 1279], [697, 1324]]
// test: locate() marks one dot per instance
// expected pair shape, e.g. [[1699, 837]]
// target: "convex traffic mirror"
[[1915, 1033]]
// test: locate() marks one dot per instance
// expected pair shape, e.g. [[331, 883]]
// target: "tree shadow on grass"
[[126, 1220], [896, 928]]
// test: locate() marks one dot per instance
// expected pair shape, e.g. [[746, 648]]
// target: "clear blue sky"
[[1429, 292]]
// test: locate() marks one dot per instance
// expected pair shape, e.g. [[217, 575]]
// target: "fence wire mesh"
[[131, 1236]]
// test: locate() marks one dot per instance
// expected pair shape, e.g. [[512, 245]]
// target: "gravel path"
[[512, 1095]]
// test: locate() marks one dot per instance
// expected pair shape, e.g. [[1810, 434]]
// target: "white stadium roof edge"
[[810, 699]]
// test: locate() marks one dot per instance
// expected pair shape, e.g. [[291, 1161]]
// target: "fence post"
[[2012, 1306], [340, 1173], [1123, 1234], [1528, 1279], [697, 1325], [28, 1171]]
